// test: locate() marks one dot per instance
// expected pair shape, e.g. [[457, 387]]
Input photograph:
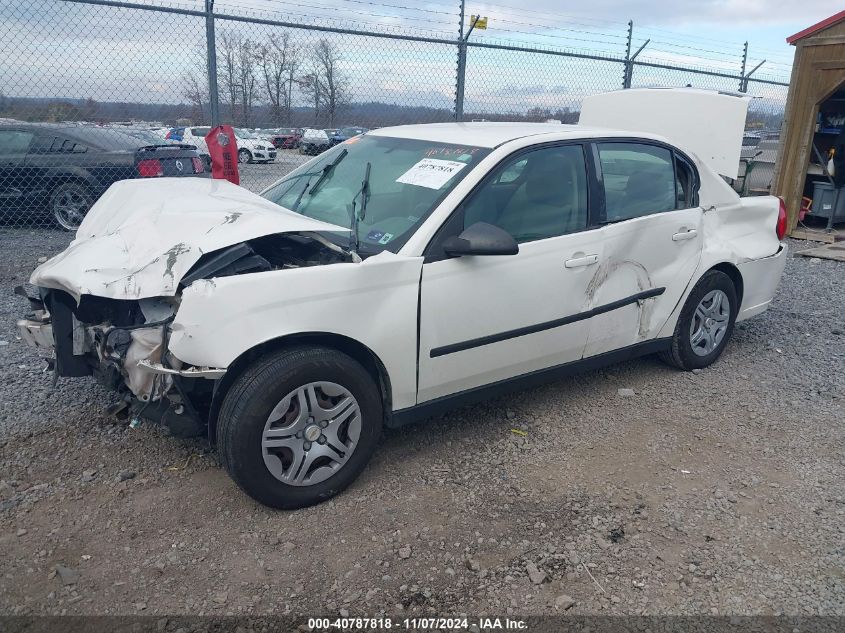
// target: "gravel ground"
[[719, 492]]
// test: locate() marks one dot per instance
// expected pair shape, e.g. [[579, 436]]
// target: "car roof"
[[93, 136], [486, 134]]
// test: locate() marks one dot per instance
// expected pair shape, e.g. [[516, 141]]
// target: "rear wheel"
[[244, 156], [69, 202], [705, 324], [299, 426]]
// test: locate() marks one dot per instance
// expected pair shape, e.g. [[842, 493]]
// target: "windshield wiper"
[[364, 192], [323, 174], [327, 169]]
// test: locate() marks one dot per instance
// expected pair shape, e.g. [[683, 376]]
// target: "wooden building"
[[816, 101]]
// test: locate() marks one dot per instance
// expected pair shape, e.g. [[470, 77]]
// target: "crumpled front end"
[[123, 345], [124, 342], [106, 303]]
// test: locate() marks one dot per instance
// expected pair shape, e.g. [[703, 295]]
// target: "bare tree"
[[196, 88], [227, 70], [236, 65], [310, 86], [329, 80], [246, 77], [279, 61]]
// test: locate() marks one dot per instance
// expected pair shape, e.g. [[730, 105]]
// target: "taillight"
[[150, 168], [780, 227], [198, 166]]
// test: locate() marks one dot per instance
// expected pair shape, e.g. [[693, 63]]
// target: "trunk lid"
[[707, 123]]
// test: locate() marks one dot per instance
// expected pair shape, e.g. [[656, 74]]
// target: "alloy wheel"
[[69, 208]]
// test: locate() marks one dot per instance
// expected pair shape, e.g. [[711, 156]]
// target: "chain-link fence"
[[93, 91]]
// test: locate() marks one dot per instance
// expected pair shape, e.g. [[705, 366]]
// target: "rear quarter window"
[[102, 139]]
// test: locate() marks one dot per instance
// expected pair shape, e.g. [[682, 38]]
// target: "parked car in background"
[[286, 138], [346, 133], [331, 131], [192, 136], [313, 141], [420, 268], [252, 148], [60, 170]]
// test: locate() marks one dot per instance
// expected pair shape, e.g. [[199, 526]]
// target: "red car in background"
[[286, 138]]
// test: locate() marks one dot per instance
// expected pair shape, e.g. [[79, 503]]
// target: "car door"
[[652, 240], [489, 318], [15, 182]]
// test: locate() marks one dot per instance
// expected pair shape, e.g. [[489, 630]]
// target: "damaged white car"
[[407, 271]]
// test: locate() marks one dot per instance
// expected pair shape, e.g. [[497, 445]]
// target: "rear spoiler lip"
[[155, 148]]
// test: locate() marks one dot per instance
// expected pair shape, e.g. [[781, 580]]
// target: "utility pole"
[[211, 63], [462, 64]]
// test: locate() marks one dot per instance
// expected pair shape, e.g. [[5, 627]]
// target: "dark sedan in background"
[[56, 172]]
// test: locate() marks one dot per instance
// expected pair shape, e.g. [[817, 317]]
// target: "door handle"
[[577, 262], [685, 235]]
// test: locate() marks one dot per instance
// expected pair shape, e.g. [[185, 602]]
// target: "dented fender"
[[373, 302]]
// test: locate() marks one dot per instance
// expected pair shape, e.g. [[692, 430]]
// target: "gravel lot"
[[719, 492]]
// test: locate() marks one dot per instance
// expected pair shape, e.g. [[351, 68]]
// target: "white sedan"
[[404, 272]]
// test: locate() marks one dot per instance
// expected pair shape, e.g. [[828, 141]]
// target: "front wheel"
[[244, 156], [299, 426], [705, 324]]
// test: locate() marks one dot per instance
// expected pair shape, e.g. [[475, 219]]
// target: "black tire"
[[258, 390], [244, 154], [681, 353], [69, 203]]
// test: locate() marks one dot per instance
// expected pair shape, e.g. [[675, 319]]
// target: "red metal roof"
[[834, 19]]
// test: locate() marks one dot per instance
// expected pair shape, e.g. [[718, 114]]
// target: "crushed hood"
[[142, 236]]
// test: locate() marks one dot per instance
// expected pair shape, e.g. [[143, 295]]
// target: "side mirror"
[[481, 239]]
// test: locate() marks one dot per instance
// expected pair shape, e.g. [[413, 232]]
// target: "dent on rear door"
[[641, 255], [373, 302]]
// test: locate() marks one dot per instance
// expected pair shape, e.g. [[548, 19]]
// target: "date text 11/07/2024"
[[417, 624]]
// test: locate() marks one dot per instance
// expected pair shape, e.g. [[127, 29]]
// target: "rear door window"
[[639, 179]]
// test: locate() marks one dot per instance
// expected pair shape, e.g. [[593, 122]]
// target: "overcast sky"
[[53, 48]]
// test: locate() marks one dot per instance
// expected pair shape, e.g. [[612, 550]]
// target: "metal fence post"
[[743, 85], [626, 73], [629, 63], [211, 63], [462, 65]]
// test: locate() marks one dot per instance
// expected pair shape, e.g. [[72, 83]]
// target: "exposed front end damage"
[[123, 343]]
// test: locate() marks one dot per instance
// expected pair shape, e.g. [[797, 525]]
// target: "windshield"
[[242, 133], [407, 179], [352, 131]]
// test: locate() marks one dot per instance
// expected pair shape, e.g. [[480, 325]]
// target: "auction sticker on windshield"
[[431, 173]]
